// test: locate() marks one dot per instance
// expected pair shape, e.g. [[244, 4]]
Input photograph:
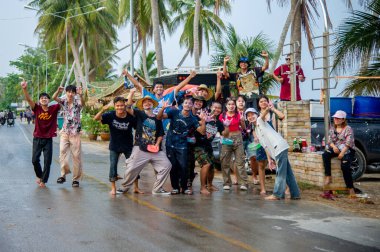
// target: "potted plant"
[[104, 132], [90, 126]]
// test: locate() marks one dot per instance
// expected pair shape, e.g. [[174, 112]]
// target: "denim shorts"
[[261, 155]]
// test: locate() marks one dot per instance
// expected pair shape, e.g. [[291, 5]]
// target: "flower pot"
[[105, 136], [92, 137]]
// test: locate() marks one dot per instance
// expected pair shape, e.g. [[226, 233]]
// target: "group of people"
[[172, 131]]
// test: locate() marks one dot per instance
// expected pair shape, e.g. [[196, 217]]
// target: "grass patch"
[[307, 186]]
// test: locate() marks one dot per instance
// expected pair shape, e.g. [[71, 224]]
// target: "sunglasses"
[[287, 59]]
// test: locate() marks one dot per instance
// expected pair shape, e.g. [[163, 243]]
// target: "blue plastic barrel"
[[341, 103], [367, 106]]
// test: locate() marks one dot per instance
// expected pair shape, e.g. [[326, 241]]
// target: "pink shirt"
[[283, 71]]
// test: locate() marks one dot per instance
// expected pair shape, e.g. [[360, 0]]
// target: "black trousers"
[[345, 165], [45, 146]]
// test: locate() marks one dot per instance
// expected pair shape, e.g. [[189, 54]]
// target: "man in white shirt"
[[276, 147]]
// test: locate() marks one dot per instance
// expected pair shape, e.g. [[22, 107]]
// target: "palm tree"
[[151, 69], [302, 15], [156, 35], [96, 31], [143, 23], [358, 38], [210, 25], [236, 47]]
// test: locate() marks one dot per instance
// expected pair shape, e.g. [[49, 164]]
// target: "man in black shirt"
[[147, 147], [120, 124]]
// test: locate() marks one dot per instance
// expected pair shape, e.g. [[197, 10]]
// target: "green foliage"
[[358, 41], [90, 125], [150, 65], [235, 47], [10, 90], [104, 128]]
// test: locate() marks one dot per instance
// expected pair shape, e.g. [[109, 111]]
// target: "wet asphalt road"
[[62, 218]]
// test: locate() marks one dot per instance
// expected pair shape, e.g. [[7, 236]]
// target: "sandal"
[[61, 180], [75, 184]]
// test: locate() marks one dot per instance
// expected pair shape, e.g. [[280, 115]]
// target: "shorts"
[[261, 155], [203, 156]]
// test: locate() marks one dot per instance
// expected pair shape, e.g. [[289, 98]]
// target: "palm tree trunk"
[[85, 62], [196, 32], [145, 68], [156, 36], [284, 32], [184, 57], [75, 52], [296, 30]]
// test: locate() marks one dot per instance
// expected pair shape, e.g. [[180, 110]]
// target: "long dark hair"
[[261, 97], [225, 110]]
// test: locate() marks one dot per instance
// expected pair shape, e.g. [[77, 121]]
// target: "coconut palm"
[[94, 31], [358, 38], [150, 59], [235, 47], [302, 14], [143, 23], [210, 25]]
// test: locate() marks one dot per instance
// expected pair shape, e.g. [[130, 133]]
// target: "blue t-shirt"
[[180, 128], [170, 97]]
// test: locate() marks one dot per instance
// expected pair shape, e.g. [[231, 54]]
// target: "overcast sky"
[[249, 17]]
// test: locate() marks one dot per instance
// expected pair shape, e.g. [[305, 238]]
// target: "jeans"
[[285, 176], [44, 145], [114, 159], [179, 172], [345, 165]]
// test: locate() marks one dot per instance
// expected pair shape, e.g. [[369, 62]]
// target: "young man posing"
[[147, 148], [70, 140], [182, 122], [45, 129], [120, 124]]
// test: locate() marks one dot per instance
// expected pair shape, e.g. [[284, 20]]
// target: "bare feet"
[[234, 182], [328, 180], [263, 193], [137, 190], [113, 192], [256, 181], [38, 181], [213, 188], [272, 197], [205, 191], [42, 185]]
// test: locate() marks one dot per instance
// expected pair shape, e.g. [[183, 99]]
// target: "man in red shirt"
[[282, 75], [44, 131]]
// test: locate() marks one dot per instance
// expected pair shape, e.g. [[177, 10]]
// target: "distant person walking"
[[70, 140], [45, 129]]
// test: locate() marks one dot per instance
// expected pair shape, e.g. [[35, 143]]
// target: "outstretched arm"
[[161, 115], [98, 116], [130, 101], [225, 72], [266, 63], [218, 88], [185, 82], [24, 85], [55, 95], [137, 84], [80, 93]]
